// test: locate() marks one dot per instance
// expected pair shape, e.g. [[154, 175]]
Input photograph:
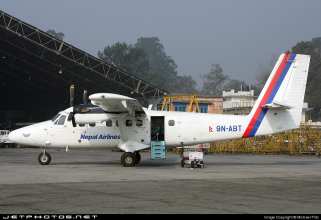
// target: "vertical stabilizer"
[[279, 105]]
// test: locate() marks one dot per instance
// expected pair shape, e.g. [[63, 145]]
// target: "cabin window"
[[109, 123], [129, 123], [61, 120], [117, 123], [81, 125], [92, 125], [139, 123], [171, 122], [54, 118]]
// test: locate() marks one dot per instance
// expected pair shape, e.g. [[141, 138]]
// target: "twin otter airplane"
[[116, 121]]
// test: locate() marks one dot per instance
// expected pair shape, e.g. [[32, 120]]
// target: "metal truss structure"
[[37, 70]]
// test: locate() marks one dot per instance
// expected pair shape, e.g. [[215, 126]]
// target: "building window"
[[180, 107], [203, 108]]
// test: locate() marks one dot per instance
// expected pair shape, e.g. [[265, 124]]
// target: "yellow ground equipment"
[[193, 97], [304, 140]]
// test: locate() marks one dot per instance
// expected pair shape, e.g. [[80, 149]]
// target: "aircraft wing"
[[115, 103]]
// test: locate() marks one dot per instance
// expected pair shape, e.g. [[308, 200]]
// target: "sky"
[[236, 34]]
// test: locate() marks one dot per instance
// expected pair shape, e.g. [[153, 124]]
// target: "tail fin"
[[279, 105]]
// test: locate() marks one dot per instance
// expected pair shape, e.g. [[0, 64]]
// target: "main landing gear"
[[129, 159], [44, 158]]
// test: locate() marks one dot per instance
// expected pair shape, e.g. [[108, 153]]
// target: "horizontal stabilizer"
[[277, 104]]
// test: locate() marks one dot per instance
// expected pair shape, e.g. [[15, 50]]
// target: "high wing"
[[114, 103]]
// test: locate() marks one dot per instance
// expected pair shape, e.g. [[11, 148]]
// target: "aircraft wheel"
[[138, 157], [128, 159], [182, 163], [192, 164], [44, 159], [202, 163]]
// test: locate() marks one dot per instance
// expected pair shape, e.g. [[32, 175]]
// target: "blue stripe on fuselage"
[[258, 123]]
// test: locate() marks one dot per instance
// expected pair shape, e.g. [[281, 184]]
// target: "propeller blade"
[[85, 97], [70, 116], [73, 121], [72, 93]]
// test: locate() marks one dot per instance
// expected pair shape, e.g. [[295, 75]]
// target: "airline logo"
[[102, 136], [269, 95], [26, 135]]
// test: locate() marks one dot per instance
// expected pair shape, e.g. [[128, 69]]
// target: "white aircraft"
[[117, 121]]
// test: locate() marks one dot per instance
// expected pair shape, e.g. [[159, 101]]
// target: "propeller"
[[72, 94], [71, 116], [85, 97]]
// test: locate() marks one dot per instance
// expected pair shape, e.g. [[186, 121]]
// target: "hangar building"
[[37, 70]]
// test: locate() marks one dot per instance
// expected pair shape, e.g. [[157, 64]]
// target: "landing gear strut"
[[44, 158], [129, 159]]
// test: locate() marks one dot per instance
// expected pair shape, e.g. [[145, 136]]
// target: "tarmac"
[[86, 182]]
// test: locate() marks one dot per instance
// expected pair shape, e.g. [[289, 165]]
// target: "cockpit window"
[[54, 118], [61, 120]]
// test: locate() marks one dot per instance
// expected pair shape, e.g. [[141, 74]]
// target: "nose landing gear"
[[44, 158]]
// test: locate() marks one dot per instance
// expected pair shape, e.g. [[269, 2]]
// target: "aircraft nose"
[[13, 136], [25, 135]]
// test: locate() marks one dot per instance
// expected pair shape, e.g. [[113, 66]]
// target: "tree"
[[265, 70], [214, 81], [257, 91], [159, 61], [127, 58], [134, 61], [236, 85], [316, 44], [148, 61], [184, 84], [155, 79], [53, 33]]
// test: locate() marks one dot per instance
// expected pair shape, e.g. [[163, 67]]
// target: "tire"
[[44, 159], [138, 157], [128, 159], [182, 163], [202, 163], [192, 164]]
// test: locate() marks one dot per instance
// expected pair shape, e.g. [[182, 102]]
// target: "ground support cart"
[[192, 156]]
